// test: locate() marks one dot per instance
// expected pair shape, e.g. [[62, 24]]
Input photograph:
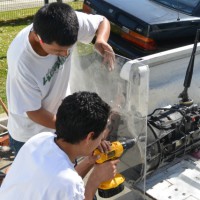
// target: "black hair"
[[56, 22], [79, 114]]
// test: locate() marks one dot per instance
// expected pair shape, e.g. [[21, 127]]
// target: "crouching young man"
[[44, 167]]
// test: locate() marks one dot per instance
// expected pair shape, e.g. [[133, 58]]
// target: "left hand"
[[107, 52], [105, 146]]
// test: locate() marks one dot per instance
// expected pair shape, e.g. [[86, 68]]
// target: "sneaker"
[[196, 154]]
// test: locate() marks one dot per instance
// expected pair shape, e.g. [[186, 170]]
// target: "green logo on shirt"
[[57, 65]]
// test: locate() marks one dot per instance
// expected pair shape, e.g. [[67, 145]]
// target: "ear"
[[36, 37], [89, 137]]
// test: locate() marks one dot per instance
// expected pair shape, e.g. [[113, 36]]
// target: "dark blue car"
[[143, 27]]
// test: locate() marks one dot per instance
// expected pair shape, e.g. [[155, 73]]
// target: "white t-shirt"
[[42, 171], [35, 81]]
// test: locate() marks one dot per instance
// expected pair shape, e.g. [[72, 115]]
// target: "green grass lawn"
[[9, 27]]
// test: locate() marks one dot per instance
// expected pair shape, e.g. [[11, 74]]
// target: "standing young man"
[[39, 62], [44, 167]]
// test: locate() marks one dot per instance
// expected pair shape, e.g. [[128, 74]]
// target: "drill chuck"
[[128, 143]]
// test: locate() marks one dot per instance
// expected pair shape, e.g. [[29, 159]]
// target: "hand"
[[105, 171], [107, 52], [105, 146], [100, 173], [91, 159]]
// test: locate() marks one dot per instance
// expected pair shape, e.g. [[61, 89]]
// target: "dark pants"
[[15, 145]]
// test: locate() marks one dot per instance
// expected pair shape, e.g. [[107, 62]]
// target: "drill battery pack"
[[111, 187]]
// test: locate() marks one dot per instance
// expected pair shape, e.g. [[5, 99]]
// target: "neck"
[[70, 149], [36, 44]]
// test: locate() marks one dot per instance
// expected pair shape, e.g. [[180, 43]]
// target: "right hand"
[[105, 171], [107, 53]]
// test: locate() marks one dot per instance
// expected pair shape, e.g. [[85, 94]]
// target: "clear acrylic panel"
[[125, 89]]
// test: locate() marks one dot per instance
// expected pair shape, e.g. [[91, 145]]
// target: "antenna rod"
[[178, 18], [189, 72]]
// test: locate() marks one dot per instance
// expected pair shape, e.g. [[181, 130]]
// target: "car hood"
[[150, 11]]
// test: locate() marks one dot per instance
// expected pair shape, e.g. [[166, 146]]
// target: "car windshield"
[[186, 6]]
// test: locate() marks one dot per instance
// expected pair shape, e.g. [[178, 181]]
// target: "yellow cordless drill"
[[114, 186]]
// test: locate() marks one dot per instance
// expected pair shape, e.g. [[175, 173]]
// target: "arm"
[[85, 165], [101, 173], [42, 117], [102, 34]]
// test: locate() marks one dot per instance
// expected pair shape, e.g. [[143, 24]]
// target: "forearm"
[[91, 188], [43, 117], [103, 31], [84, 167], [100, 173]]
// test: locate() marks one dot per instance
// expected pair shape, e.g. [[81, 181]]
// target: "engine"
[[171, 133]]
